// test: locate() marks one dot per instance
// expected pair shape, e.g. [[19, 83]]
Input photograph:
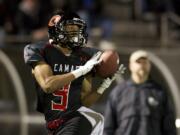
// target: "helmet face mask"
[[70, 33]]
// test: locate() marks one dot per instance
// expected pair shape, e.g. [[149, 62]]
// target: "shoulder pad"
[[89, 51], [34, 53]]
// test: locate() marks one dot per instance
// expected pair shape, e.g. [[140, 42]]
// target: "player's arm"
[[88, 96], [43, 73], [49, 82]]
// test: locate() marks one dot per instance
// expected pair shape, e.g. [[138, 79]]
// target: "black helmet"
[[58, 34]]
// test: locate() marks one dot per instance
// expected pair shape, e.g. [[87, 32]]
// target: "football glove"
[[108, 81], [88, 66]]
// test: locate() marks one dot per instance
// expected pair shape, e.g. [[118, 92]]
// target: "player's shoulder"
[[89, 51], [37, 46], [90, 48], [34, 52]]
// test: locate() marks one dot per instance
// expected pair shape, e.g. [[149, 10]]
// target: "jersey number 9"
[[63, 94]]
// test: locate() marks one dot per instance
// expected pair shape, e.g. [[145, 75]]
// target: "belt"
[[54, 124]]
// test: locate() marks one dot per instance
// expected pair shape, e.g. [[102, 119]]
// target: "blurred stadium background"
[[126, 25]]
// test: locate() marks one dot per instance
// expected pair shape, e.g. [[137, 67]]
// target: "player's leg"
[[96, 119], [78, 125]]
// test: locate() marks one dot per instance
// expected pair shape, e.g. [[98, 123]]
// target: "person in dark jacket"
[[139, 106]]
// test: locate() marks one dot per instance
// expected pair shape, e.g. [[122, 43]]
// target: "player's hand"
[[105, 84], [91, 63], [108, 81], [121, 69], [88, 66]]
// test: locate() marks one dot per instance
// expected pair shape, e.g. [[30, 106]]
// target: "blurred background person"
[[99, 20], [32, 17], [139, 106], [7, 18]]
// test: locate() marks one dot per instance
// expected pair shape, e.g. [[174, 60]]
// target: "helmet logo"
[[54, 20]]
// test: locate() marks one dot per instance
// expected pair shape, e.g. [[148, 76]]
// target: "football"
[[109, 64]]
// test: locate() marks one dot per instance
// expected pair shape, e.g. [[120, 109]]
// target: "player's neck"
[[66, 51]]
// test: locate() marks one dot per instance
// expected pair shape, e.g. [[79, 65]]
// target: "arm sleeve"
[[33, 53], [169, 127], [110, 116]]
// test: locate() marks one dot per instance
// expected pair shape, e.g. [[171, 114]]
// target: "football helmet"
[[59, 35]]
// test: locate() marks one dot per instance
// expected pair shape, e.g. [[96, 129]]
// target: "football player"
[[62, 71]]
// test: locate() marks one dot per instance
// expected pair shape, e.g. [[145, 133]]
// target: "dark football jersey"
[[67, 99]]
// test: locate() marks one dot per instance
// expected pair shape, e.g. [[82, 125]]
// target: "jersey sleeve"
[[90, 51], [33, 53]]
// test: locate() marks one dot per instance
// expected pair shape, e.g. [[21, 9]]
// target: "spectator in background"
[[8, 10], [7, 14], [155, 6], [2, 22], [153, 10], [176, 6], [98, 18], [93, 11], [139, 106], [58, 4], [32, 18]]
